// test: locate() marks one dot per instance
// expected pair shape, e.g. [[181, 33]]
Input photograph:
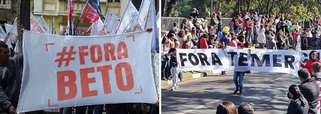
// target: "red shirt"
[[295, 35], [308, 65], [247, 24], [202, 43], [185, 45]]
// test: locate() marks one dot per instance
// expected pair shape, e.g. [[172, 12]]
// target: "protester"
[[238, 75], [316, 66], [309, 88], [10, 81], [181, 37], [312, 58], [173, 68], [245, 108], [188, 43], [203, 42], [261, 39], [298, 104], [271, 43], [226, 107], [194, 13], [295, 35]]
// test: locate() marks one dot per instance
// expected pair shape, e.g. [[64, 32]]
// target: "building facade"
[[57, 10]]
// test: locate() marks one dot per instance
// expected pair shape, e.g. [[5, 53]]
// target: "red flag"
[[70, 11], [89, 14]]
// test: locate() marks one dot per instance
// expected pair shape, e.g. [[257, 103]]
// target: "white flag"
[[53, 29], [12, 33], [9, 44], [151, 23], [143, 13], [98, 28], [134, 26], [48, 25], [34, 25], [129, 15], [112, 24], [108, 16], [7, 27], [16, 49], [43, 24]]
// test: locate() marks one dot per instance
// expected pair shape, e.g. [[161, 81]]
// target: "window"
[[2, 1]]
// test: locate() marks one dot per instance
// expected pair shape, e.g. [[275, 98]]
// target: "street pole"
[[23, 19]]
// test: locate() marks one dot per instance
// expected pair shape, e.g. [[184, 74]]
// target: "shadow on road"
[[266, 91]]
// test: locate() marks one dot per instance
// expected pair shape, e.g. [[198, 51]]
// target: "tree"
[[182, 8], [170, 7]]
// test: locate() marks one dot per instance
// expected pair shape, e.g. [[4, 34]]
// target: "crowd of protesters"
[[247, 30], [251, 30], [260, 31]]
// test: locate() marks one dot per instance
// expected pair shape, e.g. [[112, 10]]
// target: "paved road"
[[201, 96]]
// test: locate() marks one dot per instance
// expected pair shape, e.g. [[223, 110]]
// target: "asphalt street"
[[267, 91]]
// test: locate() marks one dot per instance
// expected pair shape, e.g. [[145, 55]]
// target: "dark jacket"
[[310, 90], [10, 82], [298, 106]]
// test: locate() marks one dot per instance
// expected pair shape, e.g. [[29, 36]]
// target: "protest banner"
[[279, 61], [202, 59], [65, 71]]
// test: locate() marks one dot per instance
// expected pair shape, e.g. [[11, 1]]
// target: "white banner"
[[260, 60], [65, 71], [201, 59]]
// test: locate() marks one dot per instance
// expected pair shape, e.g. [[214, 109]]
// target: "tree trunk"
[[248, 2], [163, 7], [170, 7], [268, 7], [260, 7]]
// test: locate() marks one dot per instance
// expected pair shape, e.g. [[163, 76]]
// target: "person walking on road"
[[173, 68]]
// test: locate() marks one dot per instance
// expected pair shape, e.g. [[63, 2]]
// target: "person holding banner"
[[238, 75], [10, 79], [312, 58]]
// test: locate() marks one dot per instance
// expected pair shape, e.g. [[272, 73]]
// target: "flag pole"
[[70, 11]]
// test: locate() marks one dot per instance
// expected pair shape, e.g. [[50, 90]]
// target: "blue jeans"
[[98, 109], [294, 43], [238, 80]]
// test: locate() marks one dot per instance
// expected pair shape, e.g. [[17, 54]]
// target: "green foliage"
[[294, 9], [299, 12]]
